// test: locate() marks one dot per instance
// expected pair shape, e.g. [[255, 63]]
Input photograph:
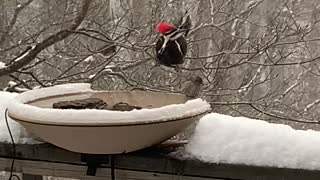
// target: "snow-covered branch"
[[311, 105]]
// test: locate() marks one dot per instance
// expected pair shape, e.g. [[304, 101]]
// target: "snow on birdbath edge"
[[19, 109]]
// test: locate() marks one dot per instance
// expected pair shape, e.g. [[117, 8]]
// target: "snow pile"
[[2, 65], [19, 133], [93, 116], [237, 140]]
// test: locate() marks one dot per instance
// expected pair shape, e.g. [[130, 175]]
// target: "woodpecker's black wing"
[[183, 45], [173, 54]]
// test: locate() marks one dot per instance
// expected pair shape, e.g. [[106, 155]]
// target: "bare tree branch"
[[13, 20], [26, 58]]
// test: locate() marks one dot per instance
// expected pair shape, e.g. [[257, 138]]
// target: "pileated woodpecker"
[[171, 46]]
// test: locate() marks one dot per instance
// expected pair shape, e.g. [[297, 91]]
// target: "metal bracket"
[[93, 161]]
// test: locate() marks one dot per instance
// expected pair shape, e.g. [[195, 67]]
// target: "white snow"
[[108, 68], [19, 133], [24, 55], [238, 140], [70, 116], [2, 64], [92, 76], [51, 91], [12, 83], [89, 59]]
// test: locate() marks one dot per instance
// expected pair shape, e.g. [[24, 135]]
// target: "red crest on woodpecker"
[[164, 27]]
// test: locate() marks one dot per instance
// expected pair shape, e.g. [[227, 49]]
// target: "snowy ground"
[[224, 139]]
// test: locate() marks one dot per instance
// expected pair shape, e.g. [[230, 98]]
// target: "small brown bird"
[[193, 87]]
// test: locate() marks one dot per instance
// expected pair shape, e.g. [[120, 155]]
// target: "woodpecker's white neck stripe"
[[165, 41], [178, 45], [171, 37]]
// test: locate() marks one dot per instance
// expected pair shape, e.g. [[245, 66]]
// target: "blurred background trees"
[[257, 58]]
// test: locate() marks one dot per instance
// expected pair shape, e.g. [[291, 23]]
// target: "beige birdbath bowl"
[[104, 131]]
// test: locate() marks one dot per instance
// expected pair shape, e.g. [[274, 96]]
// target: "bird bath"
[[95, 131]]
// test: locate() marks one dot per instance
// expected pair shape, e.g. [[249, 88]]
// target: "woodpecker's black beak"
[[181, 30]]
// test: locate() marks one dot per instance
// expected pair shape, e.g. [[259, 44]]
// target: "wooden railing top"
[[157, 160]]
